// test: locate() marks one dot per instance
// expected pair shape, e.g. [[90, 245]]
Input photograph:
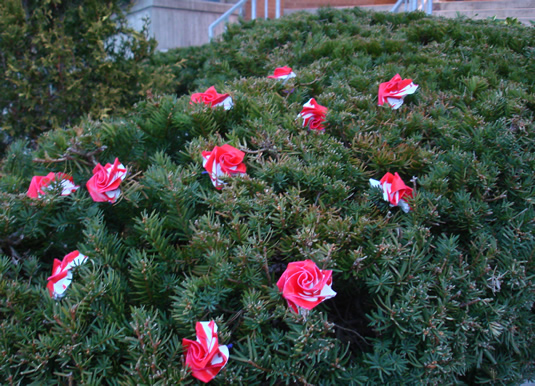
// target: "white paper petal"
[[67, 187], [61, 285], [409, 89], [395, 103], [120, 174], [285, 78], [386, 190], [308, 104], [404, 206], [216, 173], [205, 160], [78, 260], [222, 356], [227, 103], [308, 298], [375, 183], [327, 292], [210, 341], [113, 194]]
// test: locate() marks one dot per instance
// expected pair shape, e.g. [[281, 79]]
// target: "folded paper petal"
[[313, 115], [212, 98], [394, 91], [104, 185], [224, 160], [304, 285], [205, 357], [394, 190], [61, 276], [282, 73], [41, 184]]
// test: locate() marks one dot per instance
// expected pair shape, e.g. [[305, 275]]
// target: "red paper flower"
[[212, 98], [313, 115], [283, 73], [205, 357], [224, 160], [61, 273], [393, 92], [40, 184], [394, 190], [304, 285], [104, 185]]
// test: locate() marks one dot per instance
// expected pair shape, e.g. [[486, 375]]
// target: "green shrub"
[[440, 295], [63, 59]]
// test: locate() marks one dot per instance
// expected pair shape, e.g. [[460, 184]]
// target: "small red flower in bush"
[[304, 285], [61, 273], [283, 73], [212, 98], [394, 190], [205, 357], [104, 185], [224, 160], [40, 184], [394, 91], [313, 115]]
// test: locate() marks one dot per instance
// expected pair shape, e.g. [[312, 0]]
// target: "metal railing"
[[224, 18], [412, 5]]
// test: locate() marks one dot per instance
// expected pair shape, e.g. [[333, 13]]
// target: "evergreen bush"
[[443, 294], [62, 59]]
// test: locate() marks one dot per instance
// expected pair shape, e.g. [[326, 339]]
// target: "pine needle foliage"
[[64, 59], [443, 294]]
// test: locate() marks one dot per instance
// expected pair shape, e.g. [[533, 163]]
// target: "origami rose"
[[393, 92], [304, 285], [104, 185], [313, 115], [212, 98], [61, 273], [40, 184], [282, 73], [205, 357], [394, 190], [224, 160]]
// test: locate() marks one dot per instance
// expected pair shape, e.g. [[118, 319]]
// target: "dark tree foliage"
[[441, 295], [63, 59]]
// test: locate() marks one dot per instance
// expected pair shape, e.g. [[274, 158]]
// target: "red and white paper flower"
[[41, 184], [394, 91], [205, 357], [224, 160], [282, 73], [104, 185], [394, 190], [61, 273], [313, 115], [212, 98], [304, 285]]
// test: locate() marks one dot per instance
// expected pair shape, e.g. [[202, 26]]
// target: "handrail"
[[225, 17], [412, 5], [396, 6]]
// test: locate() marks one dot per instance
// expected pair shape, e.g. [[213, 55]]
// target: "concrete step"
[[524, 13], [481, 5], [523, 10], [377, 8]]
